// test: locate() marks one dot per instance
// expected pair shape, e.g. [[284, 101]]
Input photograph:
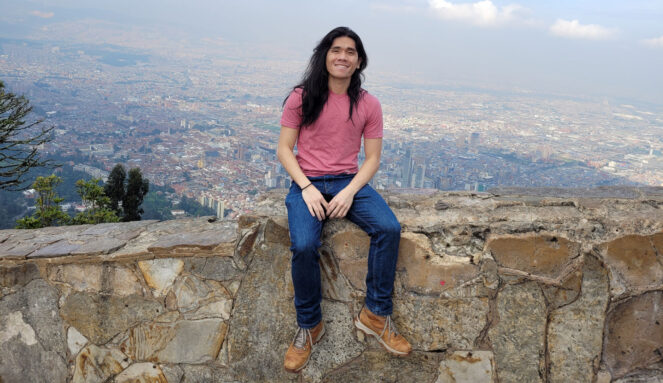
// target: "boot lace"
[[389, 325], [300, 338]]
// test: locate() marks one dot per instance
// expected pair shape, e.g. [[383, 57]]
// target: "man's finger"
[[320, 213], [310, 210]]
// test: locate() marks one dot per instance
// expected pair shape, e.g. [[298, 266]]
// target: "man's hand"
[[315, 202], [340, 204]]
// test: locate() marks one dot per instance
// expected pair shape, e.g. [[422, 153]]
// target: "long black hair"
[[315, 82]]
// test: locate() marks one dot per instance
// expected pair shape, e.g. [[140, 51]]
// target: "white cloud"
[[391, 8], [483, 13], [656, 42], [574, 30], [43, 15]]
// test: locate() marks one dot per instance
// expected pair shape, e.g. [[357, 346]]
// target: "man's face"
[[342, 58]]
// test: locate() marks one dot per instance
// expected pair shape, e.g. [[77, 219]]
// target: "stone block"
[[350, 247], [22, 358], [172, 372], [141, 373], [379, 366], [634, 262], [37, 305], [634, 334], [160, 273], [567, 293], [19, 275], [57, 249], [263, 319], [101, 317], [190, 292], [97, 364], [338, 346], [208, 239], [467, 366], [542, 255], [193, 342], [185, 341], [217, 309], [249, 236], [334, 284], [575, 331], [124, 231], [425, 271], [518, 337], [433, 324], [96, 245], [277, 231], [13, 250], [215, 268], [75, 341]]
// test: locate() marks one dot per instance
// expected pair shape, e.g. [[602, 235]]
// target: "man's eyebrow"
[[340, 47]]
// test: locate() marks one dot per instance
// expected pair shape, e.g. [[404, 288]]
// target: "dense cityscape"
[[206, 125]]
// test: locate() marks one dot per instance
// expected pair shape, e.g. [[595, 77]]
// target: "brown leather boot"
[[300, 349], [384, 330]]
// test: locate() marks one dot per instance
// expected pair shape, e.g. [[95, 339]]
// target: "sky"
[[594, 48]]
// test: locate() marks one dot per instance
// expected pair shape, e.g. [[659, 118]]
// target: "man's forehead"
[[344, 43]]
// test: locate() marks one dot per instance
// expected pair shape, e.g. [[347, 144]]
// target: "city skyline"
[[591, 48]]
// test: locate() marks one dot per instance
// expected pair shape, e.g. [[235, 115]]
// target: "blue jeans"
[[370, 212]]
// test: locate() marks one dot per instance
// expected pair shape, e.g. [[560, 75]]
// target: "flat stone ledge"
[[625, 192], [119, 240]]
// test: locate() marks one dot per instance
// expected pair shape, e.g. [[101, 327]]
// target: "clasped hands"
[[338, 207]]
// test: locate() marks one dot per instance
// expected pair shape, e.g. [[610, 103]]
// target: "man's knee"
[[390, 228], [304, 246]]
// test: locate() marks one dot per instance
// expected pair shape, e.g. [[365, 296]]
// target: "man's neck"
[[339, 86]]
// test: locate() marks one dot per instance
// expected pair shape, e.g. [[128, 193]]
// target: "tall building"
[[241, 152], [214, 203], [406, 168], [419, 175]]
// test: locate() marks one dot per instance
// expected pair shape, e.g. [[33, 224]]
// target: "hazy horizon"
[[584, 48]]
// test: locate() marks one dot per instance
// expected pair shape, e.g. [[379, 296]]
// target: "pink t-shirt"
[[331, 144]]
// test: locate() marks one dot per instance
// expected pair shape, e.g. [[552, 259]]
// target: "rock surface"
[[575, 331], [97, 364], [100, 317], [518, 338], [508, 287], [467, 366], [634, 337]]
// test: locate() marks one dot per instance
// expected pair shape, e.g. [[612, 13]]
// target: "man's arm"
[[314, 200], [340, 204]]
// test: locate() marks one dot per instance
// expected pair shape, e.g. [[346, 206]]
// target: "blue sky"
[[596, 48]]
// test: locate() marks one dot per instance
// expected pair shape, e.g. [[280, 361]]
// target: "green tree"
[[114, 187], [157, 206], [48, 212], [19, 142], [137, 187], [97, 203]]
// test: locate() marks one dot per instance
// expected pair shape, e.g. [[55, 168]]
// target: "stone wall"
[[514, 286]]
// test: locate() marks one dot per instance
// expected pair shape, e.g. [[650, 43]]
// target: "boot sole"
[[296, 371], [367, 331]]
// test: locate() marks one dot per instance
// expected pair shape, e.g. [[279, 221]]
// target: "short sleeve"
[[373, 128], [292, 110]]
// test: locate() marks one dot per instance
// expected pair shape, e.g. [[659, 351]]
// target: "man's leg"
[[370, 212], [305, 233], [374, 216], [305, 240]]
